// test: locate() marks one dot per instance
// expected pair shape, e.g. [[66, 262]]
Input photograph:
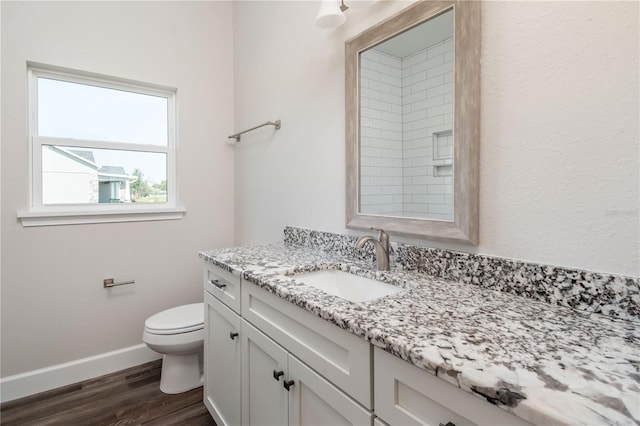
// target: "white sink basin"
[[346, 285]]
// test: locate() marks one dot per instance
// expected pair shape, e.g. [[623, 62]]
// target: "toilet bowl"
[[178, 334]]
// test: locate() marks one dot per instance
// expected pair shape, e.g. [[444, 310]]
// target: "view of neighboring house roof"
[[112, 170], [77, 155], [87, 157]]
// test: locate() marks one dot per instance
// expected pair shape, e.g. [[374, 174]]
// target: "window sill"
[[77, 217]]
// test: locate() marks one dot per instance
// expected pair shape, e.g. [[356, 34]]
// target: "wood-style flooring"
[[127, 397]]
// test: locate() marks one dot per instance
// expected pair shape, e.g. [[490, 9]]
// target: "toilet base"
[[181, 373]]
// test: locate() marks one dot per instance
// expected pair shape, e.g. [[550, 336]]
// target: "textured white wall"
[[559, 149], [54, 308], [560, 134]]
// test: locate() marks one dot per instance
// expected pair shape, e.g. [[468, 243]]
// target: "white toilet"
[[178, 334]]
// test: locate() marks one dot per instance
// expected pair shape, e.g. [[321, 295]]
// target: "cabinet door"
[[315, 401], [264, 370], [222, 362]]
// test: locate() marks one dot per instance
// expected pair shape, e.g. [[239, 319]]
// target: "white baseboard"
[[43, 379]]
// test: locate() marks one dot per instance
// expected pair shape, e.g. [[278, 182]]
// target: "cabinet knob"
[[277, 374], [448, 424], [287, 384], [233, 335]]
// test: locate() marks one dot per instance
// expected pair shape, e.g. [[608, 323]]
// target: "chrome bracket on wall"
[[277, 124]]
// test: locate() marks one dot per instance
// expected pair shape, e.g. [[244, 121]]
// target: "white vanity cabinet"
[[279, 389], [222, 363], [337, 355], [259, 368], [268, 361], [407, 395]]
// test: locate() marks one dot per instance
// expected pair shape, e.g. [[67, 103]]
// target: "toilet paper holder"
[[110, 282]]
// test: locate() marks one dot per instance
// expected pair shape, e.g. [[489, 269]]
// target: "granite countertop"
[[544, 363]]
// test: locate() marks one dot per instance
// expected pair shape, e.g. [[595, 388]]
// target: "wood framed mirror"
[[413, 123]]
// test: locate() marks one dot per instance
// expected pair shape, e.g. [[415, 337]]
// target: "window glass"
[[83, 111], [76, 175]]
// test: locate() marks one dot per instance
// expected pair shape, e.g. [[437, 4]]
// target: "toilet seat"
[[178, 320]]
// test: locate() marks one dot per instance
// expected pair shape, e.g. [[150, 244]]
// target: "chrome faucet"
[[382, 248]]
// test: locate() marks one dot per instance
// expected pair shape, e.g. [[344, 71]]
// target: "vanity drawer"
[[223, 285], [407, 395], [341, 357]]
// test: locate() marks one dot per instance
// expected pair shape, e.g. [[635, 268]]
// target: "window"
[[102, 149]]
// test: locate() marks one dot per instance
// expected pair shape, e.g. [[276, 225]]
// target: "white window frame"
[[40, 214]]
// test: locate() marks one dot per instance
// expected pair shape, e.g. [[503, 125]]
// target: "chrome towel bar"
[[276, 124]]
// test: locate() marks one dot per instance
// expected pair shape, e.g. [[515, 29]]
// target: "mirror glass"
[[406, 123], [413, 123]]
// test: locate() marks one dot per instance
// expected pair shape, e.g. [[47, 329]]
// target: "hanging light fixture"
[[331, 13]]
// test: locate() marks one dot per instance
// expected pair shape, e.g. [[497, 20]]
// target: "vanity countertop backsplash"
[[551, 345]]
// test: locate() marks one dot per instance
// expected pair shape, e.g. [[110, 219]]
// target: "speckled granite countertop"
[[546, 364]]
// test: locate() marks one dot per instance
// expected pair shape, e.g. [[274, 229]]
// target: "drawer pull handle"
[[287, 384], [448, 424], [233, 335], [277, 374], [218, 284]]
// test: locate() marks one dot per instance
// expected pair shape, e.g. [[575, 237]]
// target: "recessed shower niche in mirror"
[[412, 104], [406, 123]]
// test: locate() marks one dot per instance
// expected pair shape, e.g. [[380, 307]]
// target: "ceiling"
[[420, 37]]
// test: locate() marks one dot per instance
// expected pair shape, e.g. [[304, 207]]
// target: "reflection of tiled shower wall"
[[406, 107], [381, 134], [427, 94]]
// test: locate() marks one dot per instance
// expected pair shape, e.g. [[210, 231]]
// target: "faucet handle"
[[382, 235]]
